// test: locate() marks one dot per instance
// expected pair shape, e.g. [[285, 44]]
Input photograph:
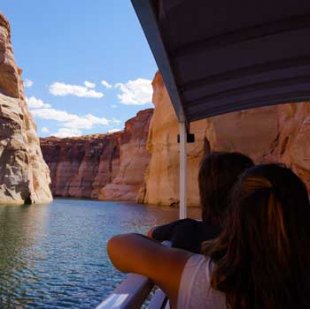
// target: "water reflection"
[[20, 228], [53, 256]]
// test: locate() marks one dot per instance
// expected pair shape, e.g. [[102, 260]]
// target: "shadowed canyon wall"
[[101, 166], [24, 176]]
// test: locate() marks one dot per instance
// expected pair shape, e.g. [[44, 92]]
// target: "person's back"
[[195, 290], [217, 174], [261, 260]]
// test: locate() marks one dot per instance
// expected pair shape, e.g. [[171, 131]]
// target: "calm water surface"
[[54, 256]]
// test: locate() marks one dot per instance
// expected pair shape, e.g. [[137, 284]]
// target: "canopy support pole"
[[183, 171]]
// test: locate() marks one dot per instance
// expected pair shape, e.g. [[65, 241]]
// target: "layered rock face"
[[81, 166], [24, 176], [102, 166], [270, 134]]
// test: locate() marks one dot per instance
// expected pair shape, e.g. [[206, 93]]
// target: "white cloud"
[[114, 130], [67, 132], [61, 89], [45, 130], [135, 92], [28, 83], [71, 124], [113, 106], [70, 120], [33, 103], [106, 84], [89, 84]]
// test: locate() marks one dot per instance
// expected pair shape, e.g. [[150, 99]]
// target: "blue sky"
[[86, 64]]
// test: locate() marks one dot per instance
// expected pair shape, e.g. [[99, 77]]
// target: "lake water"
[[54, 256]]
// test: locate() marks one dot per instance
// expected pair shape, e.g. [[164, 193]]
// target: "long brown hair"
[[218, 173], [262, 257]]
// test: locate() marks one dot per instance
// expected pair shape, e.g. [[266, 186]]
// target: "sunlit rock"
[[269, 134], [24, 176]]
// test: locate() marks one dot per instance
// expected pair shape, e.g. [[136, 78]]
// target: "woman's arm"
[[139, 254]]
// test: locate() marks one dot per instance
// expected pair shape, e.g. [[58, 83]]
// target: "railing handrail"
[[131, 293]]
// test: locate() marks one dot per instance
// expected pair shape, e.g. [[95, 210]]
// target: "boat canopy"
[[222, 56]]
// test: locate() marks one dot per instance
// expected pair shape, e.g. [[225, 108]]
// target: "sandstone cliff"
[[81, 166], [101, 166], [134, 160], [142, 162], [277, 133], [24, 176]]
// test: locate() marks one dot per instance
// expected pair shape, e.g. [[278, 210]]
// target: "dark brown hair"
[[217, 175], [262, 257]]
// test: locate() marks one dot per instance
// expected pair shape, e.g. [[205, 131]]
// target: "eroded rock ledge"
[[24, 176]]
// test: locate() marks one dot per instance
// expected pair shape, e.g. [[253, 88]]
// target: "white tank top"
[[195, 291]]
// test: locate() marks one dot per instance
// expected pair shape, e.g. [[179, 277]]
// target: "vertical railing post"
[[183, 172]]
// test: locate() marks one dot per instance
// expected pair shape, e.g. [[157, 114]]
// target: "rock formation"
[[81, 166], [24, 176], [292, 145], [101, 166], [134, 160], [142, 162], [277, 133]]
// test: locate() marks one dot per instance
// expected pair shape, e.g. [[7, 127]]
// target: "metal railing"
[[130, 294]]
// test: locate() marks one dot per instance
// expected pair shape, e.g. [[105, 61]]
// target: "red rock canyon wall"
[[102, 166]]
